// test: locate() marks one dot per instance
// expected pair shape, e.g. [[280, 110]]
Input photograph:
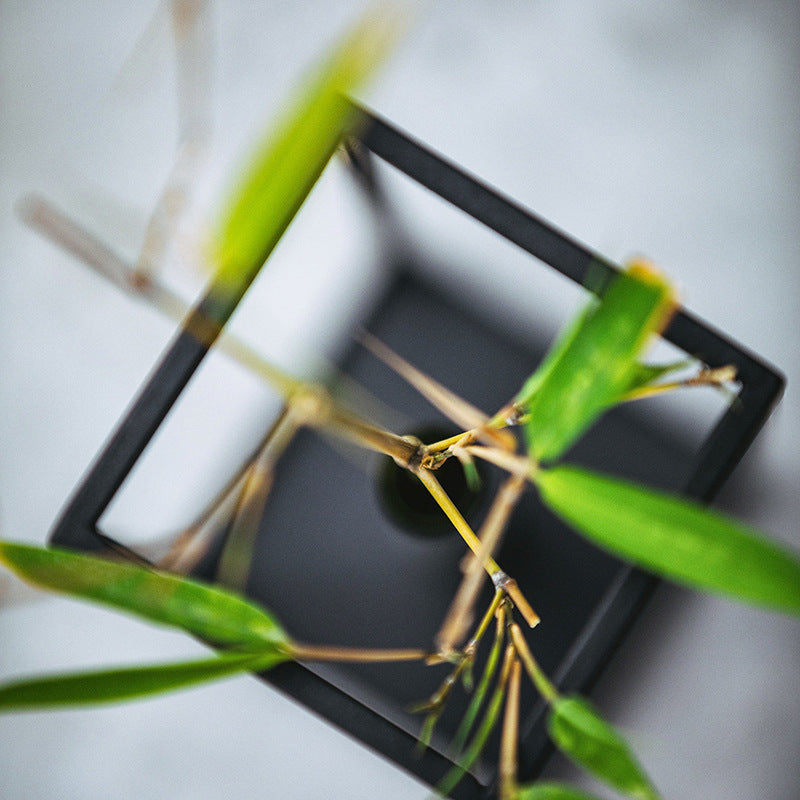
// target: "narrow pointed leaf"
[[595, 362], [286, 166], [552, 791], [127, 683], [215, 615], [584, 736], [554, 355], [674, 537], [644, 374]]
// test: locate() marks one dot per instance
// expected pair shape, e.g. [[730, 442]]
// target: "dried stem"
[[189, 29], [510, 587], [188, 547], [473, 751], [72, 237], [515, 464], [237, 554], [403, 449], [449, 403], [364, 655], [458, 409], [57, 226]]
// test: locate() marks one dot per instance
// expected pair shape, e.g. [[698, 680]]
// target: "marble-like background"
[[640, 127]]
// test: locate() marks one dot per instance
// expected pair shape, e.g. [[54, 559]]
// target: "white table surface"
[[664, 129]]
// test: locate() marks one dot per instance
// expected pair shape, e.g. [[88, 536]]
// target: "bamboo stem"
[[510, 736], [237, 554], [448, 402], [716, 377], [404, 449], [454, 515], [511, 462], [487, 618], [310, 652], [460, 613], [510, 587], [64, 231], [542, 683]]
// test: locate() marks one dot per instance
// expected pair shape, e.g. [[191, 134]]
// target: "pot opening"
[[407, 502]]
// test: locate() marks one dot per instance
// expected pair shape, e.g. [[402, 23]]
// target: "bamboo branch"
[[460, 614], [540, 680], [310, 652], [449, 403], [510, 736]]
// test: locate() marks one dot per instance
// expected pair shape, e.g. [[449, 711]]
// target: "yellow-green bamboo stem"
[[364, 655], [510, 736], [460, 613], [454, 515], [540, 680], [716, 377]]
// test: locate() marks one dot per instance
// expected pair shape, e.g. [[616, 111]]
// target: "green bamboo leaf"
[[215, 615], [554, 355], [644, 374], [288, 163], [112, 685], [584, 736], [551, 790], [593, 364], [674, 537]]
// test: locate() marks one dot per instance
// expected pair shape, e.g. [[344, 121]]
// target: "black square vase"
[[343, 556]]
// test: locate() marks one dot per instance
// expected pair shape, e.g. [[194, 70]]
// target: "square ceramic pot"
[[345, 555]]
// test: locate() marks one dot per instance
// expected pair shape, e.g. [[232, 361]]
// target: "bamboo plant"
[[595, 364]]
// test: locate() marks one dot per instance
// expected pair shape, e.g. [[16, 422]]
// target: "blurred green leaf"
[[644, 374], [92, 688], [215, 615], [551, 791], [674, 537], [287, 164], [554, 355], [595, 361], [584, 736], [428, 726]]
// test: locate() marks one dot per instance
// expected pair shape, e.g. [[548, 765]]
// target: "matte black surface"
[[355, 577]]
